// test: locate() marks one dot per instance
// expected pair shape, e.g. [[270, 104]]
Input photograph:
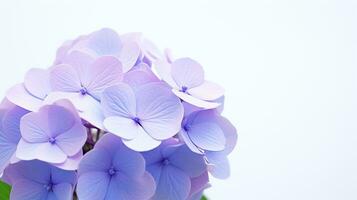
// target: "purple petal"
[[25, 189], [219, 165], [89, 109], [207, 91], [93, 185], [129, 162], [174, 185], [105, 42], [56, 118], [124, 159], [129, 55], [187, 73], [104, 72], [31, 170], [11, 124], [195, 101], [9, 134], [207, 136], [128, 188], [18, 95], [161, 112], [59, 176], [119, 100], [198, 184], [155, 170], [185, 138], [71, 162], [72, 141], [51, 196], [98, 160], [80, 61], [37, 82], [163, 70], [42, 151], [65, 78], [34, 127], [153, 156], [182, 156], [189, 109], [230, 133], [6, 152], [63, 191], [138, 77]]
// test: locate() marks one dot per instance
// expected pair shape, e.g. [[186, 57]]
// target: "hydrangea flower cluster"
[[114, 118]]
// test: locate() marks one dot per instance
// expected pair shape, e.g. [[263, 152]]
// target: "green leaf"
[[4, 191], [204, 198]]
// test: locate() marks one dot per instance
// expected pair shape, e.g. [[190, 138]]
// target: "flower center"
[[48, 187], [184, 89], [166, 162], [186, 128], [136, 120], [52, 140], [112, 171], [83, 91]]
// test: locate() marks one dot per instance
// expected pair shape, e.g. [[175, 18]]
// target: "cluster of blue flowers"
[[114, 118]]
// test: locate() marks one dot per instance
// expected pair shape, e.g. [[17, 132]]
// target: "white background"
[[289, 69]]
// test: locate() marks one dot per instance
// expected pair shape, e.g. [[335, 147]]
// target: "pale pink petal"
[[207, 91], [163, 70], [64, 78], [104, 72], [136, 78], [37, 82], [20, 96], [187, 73], [159, 110], [72, 141], [129, 54], [80, 61]]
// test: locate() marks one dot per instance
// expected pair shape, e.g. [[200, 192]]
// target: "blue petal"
[[105, 42], [174, 184], [25, 190], [63, 191], [184, 155], [93, 186], [128, 188]]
